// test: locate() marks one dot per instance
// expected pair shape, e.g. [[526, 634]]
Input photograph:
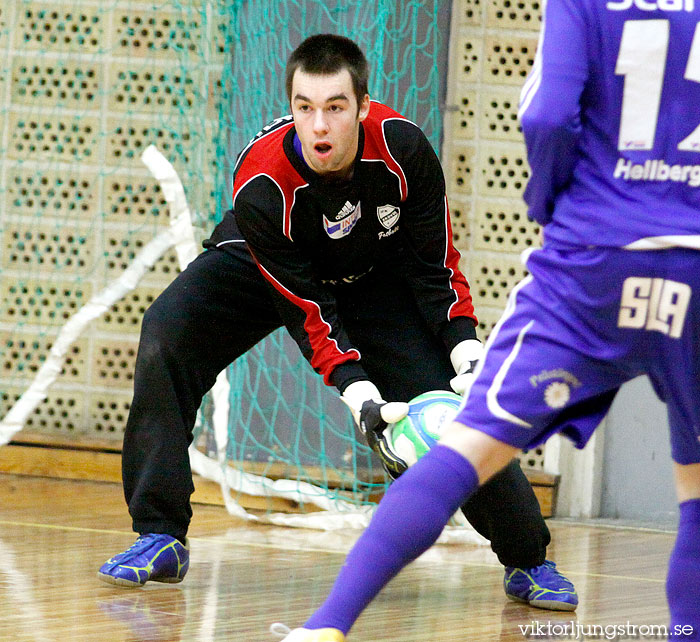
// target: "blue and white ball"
[[428, 415]]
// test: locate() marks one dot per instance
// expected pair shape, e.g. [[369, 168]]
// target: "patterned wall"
[[492, 49], [85, 86]]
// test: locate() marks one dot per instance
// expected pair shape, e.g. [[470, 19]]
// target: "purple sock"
[[683, 580], [407, 522]]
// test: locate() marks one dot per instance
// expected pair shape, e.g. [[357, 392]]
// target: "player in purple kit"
[[611, 118], [340, 231]]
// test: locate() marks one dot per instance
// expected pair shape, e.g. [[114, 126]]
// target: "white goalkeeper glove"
[[464, 357], [372, 415]]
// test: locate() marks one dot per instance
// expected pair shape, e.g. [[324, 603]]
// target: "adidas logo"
[[348, 209]]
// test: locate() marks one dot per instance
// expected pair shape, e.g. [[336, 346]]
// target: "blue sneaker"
[[542, 586], [153, 556]]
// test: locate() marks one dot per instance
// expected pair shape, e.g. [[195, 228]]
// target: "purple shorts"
[[584, 322]]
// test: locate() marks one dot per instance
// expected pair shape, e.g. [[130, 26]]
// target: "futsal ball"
[[428, 415]]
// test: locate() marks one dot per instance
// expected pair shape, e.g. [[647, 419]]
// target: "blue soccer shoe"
[[542, 586], [153, 556]]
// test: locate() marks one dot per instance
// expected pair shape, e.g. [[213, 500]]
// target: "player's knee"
[[163, 330]]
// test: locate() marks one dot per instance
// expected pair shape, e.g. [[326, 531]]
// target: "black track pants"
[[219, 308]]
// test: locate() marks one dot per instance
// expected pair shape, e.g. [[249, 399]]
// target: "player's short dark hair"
[[326, 54]]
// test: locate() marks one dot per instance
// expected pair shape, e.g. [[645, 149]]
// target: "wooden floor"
[[55, 534]]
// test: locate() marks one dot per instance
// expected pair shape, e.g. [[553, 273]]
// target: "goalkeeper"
[[340, 231]]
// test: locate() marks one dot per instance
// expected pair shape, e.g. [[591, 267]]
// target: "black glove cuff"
[[346, 373], [458, 330]]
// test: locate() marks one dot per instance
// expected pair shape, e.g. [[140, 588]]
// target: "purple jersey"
[[583, 323], [611, 118]]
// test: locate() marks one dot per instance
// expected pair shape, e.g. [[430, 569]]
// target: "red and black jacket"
[[308, 235]]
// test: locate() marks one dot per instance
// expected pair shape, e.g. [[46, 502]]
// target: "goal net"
[[85, 88]]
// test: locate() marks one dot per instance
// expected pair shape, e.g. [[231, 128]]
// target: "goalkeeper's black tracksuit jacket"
[[363, 275]]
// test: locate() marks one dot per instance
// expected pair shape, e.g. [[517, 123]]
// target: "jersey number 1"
[[642, 61]]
